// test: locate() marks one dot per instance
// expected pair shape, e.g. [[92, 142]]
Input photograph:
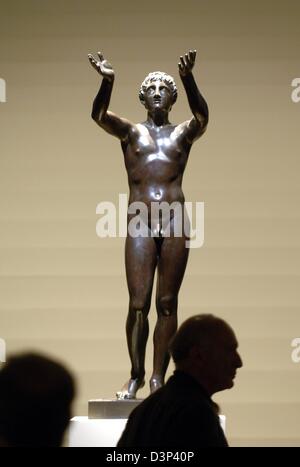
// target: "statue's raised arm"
[[195, 127], [107, 120]]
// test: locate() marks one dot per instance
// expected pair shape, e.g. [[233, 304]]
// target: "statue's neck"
[[158, 119]]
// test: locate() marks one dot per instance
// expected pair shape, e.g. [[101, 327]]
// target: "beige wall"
[[62, 289]]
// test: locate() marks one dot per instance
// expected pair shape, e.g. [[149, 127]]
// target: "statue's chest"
[[155, 146]]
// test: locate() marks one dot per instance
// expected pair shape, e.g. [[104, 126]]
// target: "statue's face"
[[158, 96]]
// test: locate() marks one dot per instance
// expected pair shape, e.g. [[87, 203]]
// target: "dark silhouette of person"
[[35, 401], [182, 413], [155, 153]]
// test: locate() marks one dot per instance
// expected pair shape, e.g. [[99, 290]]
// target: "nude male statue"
[[156, 152]]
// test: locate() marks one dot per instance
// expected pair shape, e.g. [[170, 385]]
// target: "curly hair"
[[156, 76]]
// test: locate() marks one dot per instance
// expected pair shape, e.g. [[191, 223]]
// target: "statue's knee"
[[138, 306], [167, 305]]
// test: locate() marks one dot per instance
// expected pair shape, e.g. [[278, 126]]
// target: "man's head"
[[206, 347], [158, 90], [35, 401]]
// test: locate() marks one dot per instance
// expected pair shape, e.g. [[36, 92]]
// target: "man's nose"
[[239, 362]]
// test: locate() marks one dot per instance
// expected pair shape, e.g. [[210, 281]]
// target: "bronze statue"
[[156, 153]]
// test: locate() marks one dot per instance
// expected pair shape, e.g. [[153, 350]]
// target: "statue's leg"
[[141, 260], [171, 267]]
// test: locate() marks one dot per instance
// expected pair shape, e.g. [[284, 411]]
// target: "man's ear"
[[197, 353]]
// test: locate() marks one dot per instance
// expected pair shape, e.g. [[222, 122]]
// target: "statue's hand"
[[102, 66], [187, 62]]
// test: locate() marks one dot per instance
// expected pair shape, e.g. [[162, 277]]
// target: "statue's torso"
[[155, 160]]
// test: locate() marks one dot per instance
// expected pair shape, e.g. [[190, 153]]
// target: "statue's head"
[[149, 85]]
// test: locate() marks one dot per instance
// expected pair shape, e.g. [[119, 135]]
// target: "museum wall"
[[62, 289]]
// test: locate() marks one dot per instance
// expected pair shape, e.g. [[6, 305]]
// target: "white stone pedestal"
[[106, 432], [84, 432]]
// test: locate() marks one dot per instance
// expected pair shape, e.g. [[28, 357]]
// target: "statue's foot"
[[130, 389], [155, 384]]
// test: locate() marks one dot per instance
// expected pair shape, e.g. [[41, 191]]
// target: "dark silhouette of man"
[[35, 402], [182, 413]]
